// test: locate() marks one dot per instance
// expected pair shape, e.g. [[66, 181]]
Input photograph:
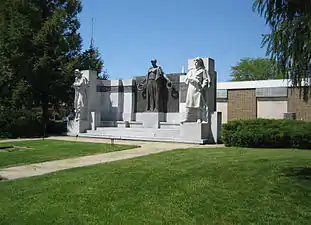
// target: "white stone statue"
[[80, 85], [198, 81]]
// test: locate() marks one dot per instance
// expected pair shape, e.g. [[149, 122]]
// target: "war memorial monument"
[[177, 107]]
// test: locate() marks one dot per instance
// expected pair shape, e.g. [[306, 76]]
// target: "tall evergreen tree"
[[91, 59], [39, 45]]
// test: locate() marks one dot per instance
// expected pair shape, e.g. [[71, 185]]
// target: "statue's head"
[[78, 74], [154, 62], [199, 64]]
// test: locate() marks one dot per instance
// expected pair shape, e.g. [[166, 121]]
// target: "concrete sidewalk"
[[146, 148]]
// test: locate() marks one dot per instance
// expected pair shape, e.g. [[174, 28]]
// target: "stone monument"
[[149, 107], [153, 87], [85, 102], [201, 121], [80, 86], [198, 80]]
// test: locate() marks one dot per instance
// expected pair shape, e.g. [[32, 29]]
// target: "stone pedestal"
[[75, 127], [204, 133], [197, 132], [152, 119]]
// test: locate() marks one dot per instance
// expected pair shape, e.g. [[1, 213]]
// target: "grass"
[[47, 150], [195, 186]]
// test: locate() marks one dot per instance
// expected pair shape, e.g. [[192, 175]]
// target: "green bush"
[[26, 123], [19, 123], [56, 127], [267, 133]]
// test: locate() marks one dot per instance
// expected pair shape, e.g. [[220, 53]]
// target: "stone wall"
[[116, 99]]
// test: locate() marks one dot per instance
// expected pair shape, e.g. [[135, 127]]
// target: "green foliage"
[[39, 45], [16, 123], [56, 127], [19, 123], [91, 59], [267, 133], [255, 69], [289, 42]]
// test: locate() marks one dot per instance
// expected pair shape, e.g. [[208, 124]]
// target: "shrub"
[[267, 133], [26, 123], [56, 127], [19, 123]]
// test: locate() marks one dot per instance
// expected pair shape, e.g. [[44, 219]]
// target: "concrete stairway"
[[168, 132], [135, 124], [136, 133]]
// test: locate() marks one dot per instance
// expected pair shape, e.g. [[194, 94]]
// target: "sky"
[[129, 33]]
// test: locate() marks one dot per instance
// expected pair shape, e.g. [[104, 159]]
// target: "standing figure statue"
[[155, 83], [80, 102], [198, 81]]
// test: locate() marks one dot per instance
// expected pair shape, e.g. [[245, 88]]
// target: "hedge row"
[[267, 133], [24, 123]]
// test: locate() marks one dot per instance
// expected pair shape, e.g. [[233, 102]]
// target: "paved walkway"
[[146, 148]]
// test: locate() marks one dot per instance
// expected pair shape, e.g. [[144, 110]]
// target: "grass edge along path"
[[191, 186], [50, 150]]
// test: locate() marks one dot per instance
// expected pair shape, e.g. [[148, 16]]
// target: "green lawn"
[[196, 186], [47, 150]]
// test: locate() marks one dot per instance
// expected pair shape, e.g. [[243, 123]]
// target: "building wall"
[[223, 108], [242, 104], [271, 108], [298, 106]]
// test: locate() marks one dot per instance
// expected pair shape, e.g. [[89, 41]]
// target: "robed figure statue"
[[155, 84], [80, 102], [198, 80]]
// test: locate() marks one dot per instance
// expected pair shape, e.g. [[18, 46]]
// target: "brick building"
[[260, 99]]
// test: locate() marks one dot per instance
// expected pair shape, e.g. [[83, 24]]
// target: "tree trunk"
[[45, 115]]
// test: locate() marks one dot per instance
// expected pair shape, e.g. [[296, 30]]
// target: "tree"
[[91, 59], [255, 69], [39, 45], [289, 42]]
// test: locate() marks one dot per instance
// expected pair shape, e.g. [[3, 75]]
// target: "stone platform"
[[167, 134]]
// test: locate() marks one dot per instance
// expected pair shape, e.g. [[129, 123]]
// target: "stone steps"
[[139, 138], [136, 132], [136, 124], [169, 125]]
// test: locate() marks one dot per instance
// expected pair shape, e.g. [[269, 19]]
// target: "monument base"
[[192, 131], [76, 127], [205, 132], [152, 119]]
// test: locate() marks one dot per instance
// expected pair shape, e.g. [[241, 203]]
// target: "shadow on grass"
[[303, 173]]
